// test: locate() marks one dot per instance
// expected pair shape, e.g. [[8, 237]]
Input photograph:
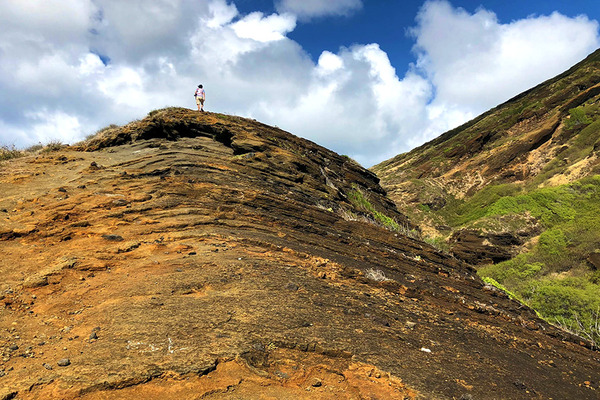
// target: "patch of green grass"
[[359, 200], [514, 271], [459, 212], [577, 117], [438, 242], [224, 116], [496, 284]]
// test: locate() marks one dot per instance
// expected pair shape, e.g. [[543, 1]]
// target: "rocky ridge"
[[195, 255]]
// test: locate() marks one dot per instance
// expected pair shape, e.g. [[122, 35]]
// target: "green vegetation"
[[578, 117], [493, 282], [358, 199], [361, 203], [552, 277], [438, 242], [551, 206]]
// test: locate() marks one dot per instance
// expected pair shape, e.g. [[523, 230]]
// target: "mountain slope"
[[194, 255], [521, 179]]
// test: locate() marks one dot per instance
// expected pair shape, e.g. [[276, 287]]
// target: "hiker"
[[200, 96]]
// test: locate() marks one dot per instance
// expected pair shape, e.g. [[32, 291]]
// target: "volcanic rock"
[[249, 278]]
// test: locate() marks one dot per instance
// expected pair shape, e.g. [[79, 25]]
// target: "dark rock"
[[93, 336], [221, 310], [594, 260], [64, 362], [47, 366], [6, 394], [520, 385], [13, 347], [479, 248], [113, 238]]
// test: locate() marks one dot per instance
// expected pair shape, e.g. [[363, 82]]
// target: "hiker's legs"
[[201, 106], [198, 102]]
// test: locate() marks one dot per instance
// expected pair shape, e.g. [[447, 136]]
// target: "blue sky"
[[387, 22], [366, 78]]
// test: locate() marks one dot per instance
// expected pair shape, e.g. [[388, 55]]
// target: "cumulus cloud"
[[100, 65], [306, 9], [476, 62], [355, 103], [257, 27]]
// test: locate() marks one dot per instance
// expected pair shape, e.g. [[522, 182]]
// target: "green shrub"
[[563, 298], [552, 242], [514, 271], [34, 148], [577, 117]]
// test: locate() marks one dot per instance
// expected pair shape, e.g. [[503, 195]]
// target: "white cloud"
[[476, 62], [359, 109], [264, 29], [53, 126], [58, 21], [329, 63], [108, 68], [220, 14], [306, 9]]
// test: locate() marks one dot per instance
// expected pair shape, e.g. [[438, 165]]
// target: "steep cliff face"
[[194, 255]]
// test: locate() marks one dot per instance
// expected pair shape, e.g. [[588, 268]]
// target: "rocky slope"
[[204, 256], [521, 180], [546, 136]]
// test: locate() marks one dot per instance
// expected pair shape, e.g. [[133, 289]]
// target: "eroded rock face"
[[195, 255], [479, 248]]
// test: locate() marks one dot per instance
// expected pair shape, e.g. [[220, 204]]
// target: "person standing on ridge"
[[200, 96]]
